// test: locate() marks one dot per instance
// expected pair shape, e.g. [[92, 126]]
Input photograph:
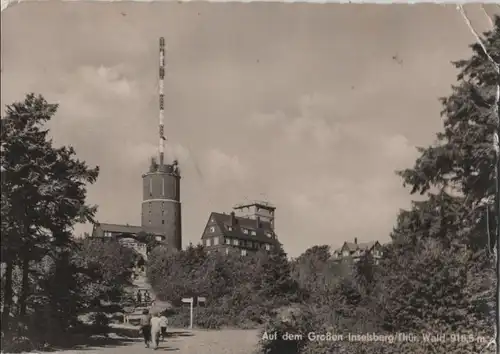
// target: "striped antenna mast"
[[161, 83]]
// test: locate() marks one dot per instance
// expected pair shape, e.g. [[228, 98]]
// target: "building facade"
[[161, 203], [243, 234], [161, 212], [354, 251]]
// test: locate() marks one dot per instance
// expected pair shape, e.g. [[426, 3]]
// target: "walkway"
[[180, 341]]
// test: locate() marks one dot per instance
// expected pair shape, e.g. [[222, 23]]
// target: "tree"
[[110, 265], [439, 271], [463, 158], [43, 194]]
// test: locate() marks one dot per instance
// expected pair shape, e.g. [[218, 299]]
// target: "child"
[[163, 326], [155, 330], [146, 327]]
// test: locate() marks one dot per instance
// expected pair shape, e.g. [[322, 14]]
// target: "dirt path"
[[181, 342]]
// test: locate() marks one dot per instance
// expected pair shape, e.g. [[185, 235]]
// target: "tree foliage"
[[45, 272]]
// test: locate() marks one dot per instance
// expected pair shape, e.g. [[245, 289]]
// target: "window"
[[227, 250], [230, 228], [345, 253], [150, 222], [212, 229], [227, 241], [245, 231], [163, 222], [208, 242], [268, 234], [249, 244], [254, 233], [243, 252], [235, 242], [268, 246], [216, 241]]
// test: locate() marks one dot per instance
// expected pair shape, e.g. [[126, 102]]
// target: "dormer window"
[[245, 231], [253, 233], [230, 228]]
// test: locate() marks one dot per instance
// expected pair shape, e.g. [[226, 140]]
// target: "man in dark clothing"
[[146, 327]]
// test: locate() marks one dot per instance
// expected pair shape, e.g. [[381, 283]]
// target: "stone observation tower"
[[161, 206]]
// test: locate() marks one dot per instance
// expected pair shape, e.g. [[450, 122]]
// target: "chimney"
[[233, 219], [356, 240]]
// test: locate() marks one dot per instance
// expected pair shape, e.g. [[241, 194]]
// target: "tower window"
[[163, 222]]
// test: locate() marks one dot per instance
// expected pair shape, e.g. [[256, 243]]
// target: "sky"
[[310, 107]]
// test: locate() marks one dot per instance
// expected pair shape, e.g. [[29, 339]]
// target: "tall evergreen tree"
[[43, 193]]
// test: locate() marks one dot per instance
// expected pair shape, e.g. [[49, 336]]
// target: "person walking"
[[155, 330], [163, 326], [145, 327]]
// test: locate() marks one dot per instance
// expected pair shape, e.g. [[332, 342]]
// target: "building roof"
[[236, 231], [353, 246], [100, 228]]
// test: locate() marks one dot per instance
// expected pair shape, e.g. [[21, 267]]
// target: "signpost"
[[189, 300]]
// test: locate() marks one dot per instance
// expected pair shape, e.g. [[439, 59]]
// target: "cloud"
[[398, 147], [316, 121], [106, 80], [221, 167]]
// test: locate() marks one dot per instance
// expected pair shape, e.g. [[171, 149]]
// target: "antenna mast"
[[162, 76]]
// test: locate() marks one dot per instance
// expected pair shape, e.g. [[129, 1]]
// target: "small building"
[[126, 235], [242, 234], [354, 251]]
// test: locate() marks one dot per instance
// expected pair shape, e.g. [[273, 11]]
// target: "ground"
[[180, 341]]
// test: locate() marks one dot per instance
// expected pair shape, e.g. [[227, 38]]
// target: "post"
[[191, 316], [189, 300], [496, 146]]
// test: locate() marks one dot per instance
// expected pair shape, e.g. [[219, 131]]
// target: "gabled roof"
[[100, 228], [223, 222], [353, 247]]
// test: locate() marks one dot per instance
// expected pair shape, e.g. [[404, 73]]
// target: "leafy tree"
[[43, 195], [463, 157], [110, 265]]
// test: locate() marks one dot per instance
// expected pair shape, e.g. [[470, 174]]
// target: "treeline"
[[438, 272], [48, 277], [239, 291]]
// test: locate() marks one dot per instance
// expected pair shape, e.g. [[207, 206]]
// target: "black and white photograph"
[[250, 178]]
